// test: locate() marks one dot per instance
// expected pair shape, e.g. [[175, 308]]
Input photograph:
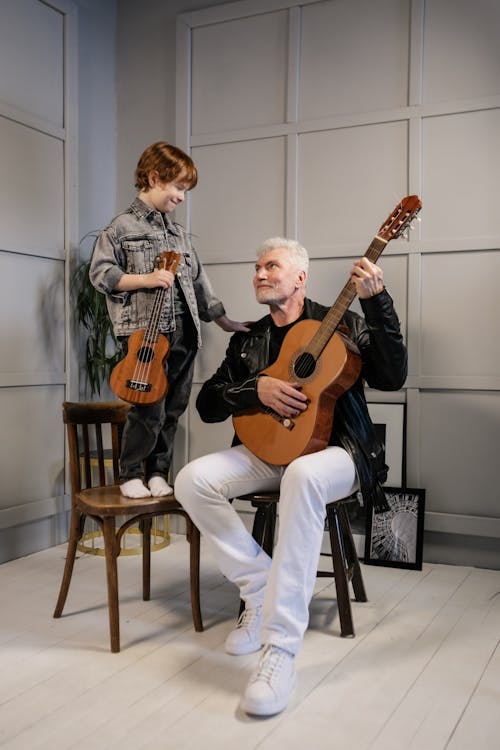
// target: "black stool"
[[346, 567]]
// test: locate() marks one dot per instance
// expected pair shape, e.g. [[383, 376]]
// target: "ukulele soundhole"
[[145, 354], [303, 366]]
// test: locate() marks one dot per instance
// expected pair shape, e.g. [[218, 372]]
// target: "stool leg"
[[339, 569], [352, 556], [264, 524], [269, 529]]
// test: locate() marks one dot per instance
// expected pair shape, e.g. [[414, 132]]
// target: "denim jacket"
[[130, 244]]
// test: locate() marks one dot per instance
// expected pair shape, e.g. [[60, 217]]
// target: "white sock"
[[134, 488], [159, 487]]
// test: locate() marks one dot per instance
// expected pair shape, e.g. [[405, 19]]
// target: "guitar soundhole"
[[145, 354], [304, 365]]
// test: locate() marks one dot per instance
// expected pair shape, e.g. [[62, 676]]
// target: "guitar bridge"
[[138, 385], [286, 422]]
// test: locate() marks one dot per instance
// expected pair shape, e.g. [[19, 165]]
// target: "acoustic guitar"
[[323, 361], [140, 376]]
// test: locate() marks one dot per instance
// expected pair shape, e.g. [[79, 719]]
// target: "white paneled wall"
[[313, 119], [37, 195]]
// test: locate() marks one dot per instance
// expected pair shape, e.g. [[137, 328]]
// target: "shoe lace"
[[271, 662], [248, 618]]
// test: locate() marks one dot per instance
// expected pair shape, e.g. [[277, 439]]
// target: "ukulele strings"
[[142, 368]]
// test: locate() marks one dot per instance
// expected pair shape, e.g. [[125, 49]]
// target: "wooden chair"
[[346, 567], [87, 423]]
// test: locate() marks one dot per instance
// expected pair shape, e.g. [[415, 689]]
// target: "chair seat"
[[109, 500]]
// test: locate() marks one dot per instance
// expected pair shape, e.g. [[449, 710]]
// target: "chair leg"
[[193, 537], [339, 569], [352, 556], [145, 527], [76, 531], [111, 552]]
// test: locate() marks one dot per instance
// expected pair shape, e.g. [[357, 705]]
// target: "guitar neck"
[[334, 315]]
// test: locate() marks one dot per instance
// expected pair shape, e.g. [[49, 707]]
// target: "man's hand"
[[367, 278], [231, 326], [284, 398]]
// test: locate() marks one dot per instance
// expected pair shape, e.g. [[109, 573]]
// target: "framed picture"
[[389, 422], [395, 538]]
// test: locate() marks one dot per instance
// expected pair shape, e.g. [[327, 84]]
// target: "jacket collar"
[[143, 211]]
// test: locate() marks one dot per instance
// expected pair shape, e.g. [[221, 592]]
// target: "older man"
[[277, 591]]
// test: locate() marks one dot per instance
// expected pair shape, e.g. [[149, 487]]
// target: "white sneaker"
[[270, 686], [245, 638]]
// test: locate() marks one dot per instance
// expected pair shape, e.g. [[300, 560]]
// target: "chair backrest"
[[94, 437]]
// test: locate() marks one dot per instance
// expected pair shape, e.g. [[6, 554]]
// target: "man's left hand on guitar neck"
[[367, 277]]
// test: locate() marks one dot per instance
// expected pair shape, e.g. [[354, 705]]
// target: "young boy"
[[123, 269]]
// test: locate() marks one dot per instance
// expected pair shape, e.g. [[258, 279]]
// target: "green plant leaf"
[[92, 315]]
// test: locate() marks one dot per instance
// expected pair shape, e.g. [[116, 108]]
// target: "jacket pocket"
[[140, 254]]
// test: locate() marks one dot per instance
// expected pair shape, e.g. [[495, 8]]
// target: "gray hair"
[[298, 253]]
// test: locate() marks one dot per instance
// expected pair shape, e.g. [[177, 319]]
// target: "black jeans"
[[148, 437]]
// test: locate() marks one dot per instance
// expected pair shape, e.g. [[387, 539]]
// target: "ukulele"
[[140, 376], [323, 361]]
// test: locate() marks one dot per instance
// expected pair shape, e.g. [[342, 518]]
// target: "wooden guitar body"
[[140, 377], [279, 440]]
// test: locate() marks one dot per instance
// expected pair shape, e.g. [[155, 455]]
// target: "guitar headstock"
[[401, 218]]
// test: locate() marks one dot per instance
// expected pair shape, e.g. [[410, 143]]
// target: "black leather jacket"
[[384, 366]]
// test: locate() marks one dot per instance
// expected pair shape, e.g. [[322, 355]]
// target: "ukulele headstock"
[[168, 261], [401, 218]]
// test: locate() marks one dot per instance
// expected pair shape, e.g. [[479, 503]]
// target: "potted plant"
[[101, 346]]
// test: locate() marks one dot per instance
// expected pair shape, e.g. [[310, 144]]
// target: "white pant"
[[285, 584]]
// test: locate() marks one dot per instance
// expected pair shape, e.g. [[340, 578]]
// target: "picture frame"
[[394, 538]]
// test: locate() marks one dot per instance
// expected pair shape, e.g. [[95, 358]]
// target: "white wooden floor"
[[423, 671]]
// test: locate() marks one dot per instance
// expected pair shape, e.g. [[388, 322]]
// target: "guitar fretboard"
[[334, 315]]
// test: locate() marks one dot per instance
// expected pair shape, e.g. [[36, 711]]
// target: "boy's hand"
[[230, 326], [158, 277], [130, 282]]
